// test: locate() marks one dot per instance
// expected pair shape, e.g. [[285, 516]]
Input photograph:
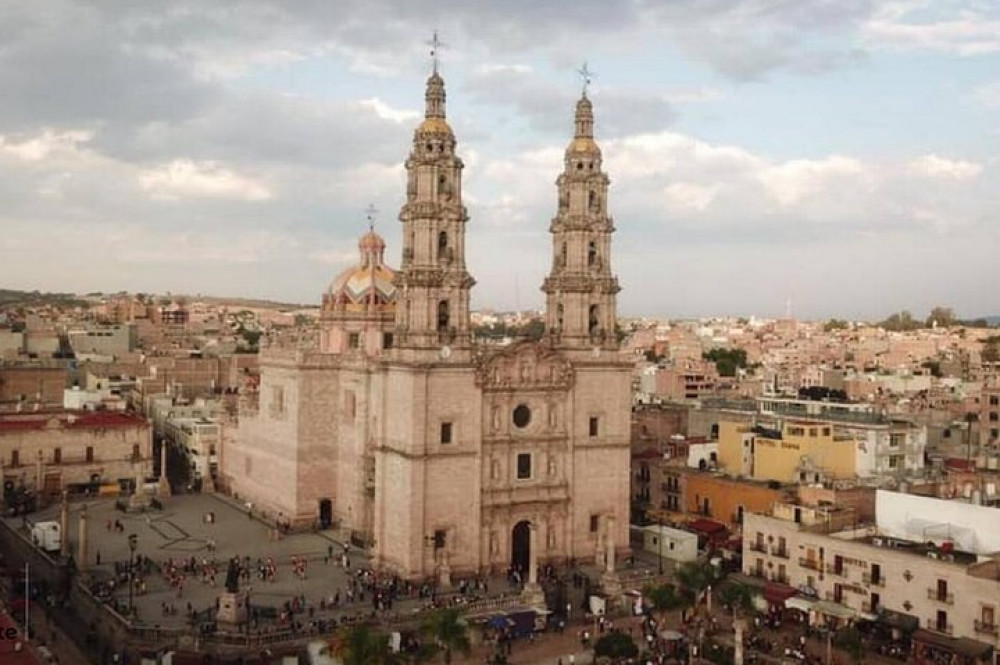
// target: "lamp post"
[[133, 542], [659, 544]]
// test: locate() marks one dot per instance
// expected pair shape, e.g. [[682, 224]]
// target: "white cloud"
[[790, 182], [966, 32], [989, 95], [386, 112], [686, 195], [933, 166], [46, 144], [183, 178]]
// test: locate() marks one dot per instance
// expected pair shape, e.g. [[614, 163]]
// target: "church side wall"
[[319, 417], [600, 484], [423, 485], [263, 463]]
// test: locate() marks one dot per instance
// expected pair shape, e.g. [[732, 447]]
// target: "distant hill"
[[11, 298]]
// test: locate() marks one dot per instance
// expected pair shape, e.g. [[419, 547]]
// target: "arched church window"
[[593, 319], [579, 166], [592, 199], [430, 147], [562, 255], [559, 315], [443, 316], [442, 240], [591, 252]]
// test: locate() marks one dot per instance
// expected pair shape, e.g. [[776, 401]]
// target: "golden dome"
[[583, 144], [363, 285], [371, 241], [434, 126], [366, 285]]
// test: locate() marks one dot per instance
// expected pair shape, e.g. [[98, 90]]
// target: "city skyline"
[[841, 156]]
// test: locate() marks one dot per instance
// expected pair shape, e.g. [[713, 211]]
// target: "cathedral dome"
[[365, 286]]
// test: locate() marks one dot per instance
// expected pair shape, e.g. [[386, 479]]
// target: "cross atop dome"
[[436, 45], [586, 76], [370, 212]]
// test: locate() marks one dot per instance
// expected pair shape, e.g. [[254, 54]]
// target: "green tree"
[[665, 598], [737, 596], [901, 321], [835, 324], [851, 641], [695, 577], [727, 361], [448, 630], [616, 645], [942, 316], [360, 645]]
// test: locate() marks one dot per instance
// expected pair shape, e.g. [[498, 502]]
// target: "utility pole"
[[27, 602]]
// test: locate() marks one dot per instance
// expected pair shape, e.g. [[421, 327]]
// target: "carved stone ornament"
[[528, 364]]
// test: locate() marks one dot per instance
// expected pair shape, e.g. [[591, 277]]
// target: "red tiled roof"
[[706, 526], [960, 464], [19, 422]]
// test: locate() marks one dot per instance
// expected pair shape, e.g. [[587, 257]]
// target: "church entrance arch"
[[325, 513], [520, 545]]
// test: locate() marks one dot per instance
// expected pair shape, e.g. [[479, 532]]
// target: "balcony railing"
[[869, 608], [868, 578], [987, 628], [947, 629], [806, 562], [780, 552], [783, 579], [832, 569], [758, 547], [946, 598]]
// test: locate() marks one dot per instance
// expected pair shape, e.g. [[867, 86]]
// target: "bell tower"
[[581, 289], [432, 314]]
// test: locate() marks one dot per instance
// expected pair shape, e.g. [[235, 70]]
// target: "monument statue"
[[233, 576]]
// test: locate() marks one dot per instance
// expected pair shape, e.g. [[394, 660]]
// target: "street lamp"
[[659, 544], [133, 543]]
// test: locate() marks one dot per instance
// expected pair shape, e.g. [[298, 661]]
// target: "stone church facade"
[[442, 454]]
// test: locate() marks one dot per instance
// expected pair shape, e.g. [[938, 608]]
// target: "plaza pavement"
[[180, 531]]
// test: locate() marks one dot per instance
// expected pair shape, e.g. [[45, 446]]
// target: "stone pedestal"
[[140, 500], [232, 610]]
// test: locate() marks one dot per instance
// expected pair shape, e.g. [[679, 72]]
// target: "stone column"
[[82, 562], [609, 578], [610, 557], [533, 594], [739, 625], [532, 553], [163, 484], [64, 524]]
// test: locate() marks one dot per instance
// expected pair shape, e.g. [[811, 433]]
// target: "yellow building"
[[788, 451]]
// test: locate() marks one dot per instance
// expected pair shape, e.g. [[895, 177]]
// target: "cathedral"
[[439, 453]]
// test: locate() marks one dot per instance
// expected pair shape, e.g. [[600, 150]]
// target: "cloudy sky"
[[838, 154]]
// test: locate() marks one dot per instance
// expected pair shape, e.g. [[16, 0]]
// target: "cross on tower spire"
[[370, 212], [586, 75], [436, 45]]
